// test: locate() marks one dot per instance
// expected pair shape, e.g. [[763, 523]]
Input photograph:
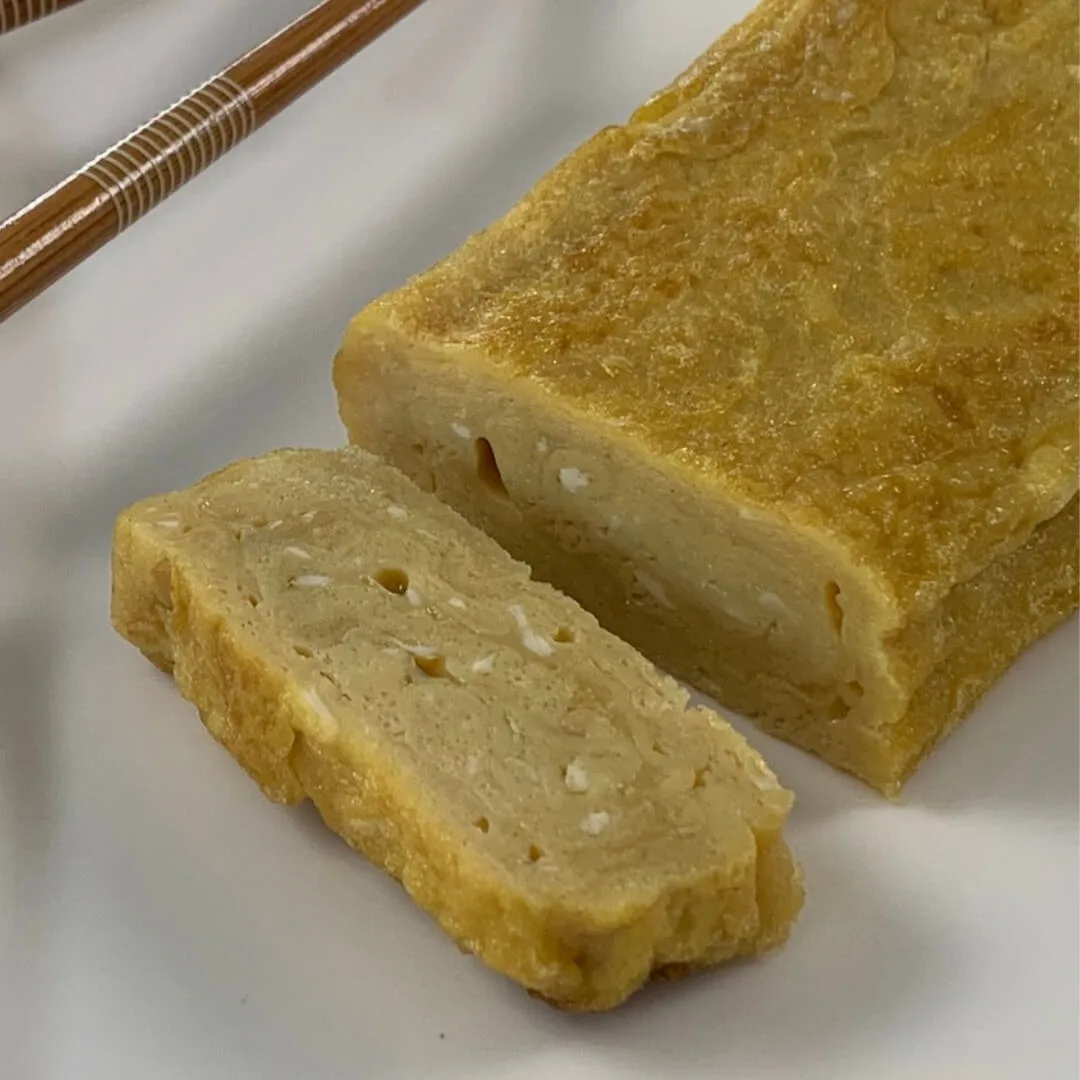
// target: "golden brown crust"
[[832, 270]]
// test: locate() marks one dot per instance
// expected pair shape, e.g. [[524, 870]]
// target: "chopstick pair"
[[58, 231]]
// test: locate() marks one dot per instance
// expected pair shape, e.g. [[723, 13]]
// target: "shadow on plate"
[[29, 816], [867, 957], [1017, 750]]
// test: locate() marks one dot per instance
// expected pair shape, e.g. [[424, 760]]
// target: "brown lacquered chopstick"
[[54, 234], [16, 13]]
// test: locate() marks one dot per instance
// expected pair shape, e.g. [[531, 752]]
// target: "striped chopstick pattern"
[[178, 144]]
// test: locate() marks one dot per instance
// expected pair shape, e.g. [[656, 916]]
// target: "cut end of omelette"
[[779, 378], [531, 780]]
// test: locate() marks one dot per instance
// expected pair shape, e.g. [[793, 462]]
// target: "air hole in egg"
[[838, 709], [482, 824], [393, 580], [487, 469], [563, 636], [304, 651], [435, 666], [832, 606], [535, 853]]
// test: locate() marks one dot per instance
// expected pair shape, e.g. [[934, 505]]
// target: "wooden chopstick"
[[51, 236], [16, 13]]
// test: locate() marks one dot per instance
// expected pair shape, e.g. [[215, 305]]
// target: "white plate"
[[159, 918]]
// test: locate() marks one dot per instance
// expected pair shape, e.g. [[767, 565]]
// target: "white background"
[[159, 918]]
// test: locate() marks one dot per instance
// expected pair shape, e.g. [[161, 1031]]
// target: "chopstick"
[[54, 234], [16, 13]]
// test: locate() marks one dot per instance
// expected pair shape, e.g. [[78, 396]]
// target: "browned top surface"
[[832, 268]]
